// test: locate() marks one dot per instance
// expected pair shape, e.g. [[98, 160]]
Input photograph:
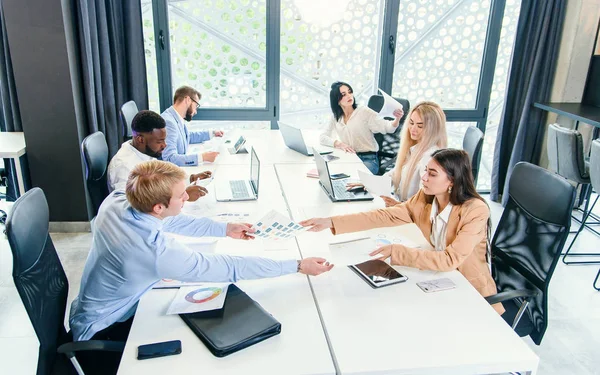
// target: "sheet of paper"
[[198, 298], [376, 185], [389, 105], [172, 284], [203, 183], [276, 226], [205, 206]]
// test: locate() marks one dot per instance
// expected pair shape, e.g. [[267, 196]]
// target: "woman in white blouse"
[[422, 135], [355, 126]]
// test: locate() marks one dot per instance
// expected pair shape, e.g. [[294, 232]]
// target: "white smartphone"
[[436, 285]]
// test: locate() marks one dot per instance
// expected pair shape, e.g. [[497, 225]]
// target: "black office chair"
[[95, 155], [43, 286], [128, 110], [527, 244], [473, 144], [388, 143]]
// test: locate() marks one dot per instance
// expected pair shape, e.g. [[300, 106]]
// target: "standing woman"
[[449, 213], [355, 126], [424, 134]]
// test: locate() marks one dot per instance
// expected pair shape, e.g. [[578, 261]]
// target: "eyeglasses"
[[197, 104]]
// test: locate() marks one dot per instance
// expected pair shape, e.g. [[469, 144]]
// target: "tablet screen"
[[378, 271], [239, 143]]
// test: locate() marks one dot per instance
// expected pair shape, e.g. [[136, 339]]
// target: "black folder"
[[241, 322]]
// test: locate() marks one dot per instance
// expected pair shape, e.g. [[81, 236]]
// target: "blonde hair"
[[434, 134], [151, 183]]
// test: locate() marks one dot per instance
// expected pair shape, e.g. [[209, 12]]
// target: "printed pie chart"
[[203, 295]]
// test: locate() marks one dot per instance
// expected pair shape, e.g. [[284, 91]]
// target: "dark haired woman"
[[355, 126], [449, 213]]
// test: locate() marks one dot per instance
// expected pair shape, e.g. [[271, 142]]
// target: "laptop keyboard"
[[239, 189], [339, 190]]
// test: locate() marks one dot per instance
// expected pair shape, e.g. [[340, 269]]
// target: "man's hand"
[[342, 146], [210, 156], [314, 266], [218, 133], [240, 231], [200, 176], [317, 224], [195, 192], [389, 202]]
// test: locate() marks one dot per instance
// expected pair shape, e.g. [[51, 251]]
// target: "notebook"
[[241, 323]]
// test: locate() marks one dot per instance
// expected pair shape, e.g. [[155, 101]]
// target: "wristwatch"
[[299, 268]]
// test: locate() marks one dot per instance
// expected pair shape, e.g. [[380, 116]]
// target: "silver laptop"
[[240, 190], [336, 189], [292, 137]]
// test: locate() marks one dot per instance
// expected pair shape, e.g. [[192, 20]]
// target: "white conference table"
[[269, 147], [397, 329], [300, 348], [334, 323], [12, 146]]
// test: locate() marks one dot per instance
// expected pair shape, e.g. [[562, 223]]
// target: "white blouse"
[[439, 225], [415, 180], [358, 132]]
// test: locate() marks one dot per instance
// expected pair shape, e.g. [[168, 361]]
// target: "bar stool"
[[566, 158]]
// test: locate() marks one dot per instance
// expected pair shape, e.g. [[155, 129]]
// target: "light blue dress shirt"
[[130, 253], [179, 138]]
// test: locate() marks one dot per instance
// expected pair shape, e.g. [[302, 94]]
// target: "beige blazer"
[[465, 238]]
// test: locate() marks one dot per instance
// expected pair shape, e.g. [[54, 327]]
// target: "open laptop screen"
[[254, 170], [323, 170]]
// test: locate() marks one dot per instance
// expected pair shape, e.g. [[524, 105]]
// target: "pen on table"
[[354, 240]]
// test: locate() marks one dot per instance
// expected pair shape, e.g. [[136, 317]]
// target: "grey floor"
[[572, 337]]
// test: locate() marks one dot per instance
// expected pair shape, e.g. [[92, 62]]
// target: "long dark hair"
[[457, 166], [335, 96]]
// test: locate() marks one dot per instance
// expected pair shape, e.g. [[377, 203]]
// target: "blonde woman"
[[424, 133]]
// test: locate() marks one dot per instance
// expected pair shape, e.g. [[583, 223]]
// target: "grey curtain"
[[521, 129], [10, 116], [112, 64]]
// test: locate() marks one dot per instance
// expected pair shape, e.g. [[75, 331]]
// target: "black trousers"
[[94, 362]]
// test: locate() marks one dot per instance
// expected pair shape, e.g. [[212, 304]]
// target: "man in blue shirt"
[[185, 106], [130, 252]]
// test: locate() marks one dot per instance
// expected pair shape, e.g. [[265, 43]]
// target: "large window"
[[260, 61], [321, 43]]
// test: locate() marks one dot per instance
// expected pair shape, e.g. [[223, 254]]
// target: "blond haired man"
[[130, 252]]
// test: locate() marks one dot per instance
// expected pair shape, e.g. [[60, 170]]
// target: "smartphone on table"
[[159, 349], [338, 176]]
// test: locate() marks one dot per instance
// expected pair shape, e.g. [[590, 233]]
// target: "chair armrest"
[[511, 294], [70, 348]]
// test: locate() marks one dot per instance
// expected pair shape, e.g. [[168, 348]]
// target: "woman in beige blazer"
[[450, 214]]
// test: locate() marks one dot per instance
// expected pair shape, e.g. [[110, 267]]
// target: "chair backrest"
[[38, 274], [595, 165], [95, 156], [566, 154], [473, 144], [129, 110], [530, 236], [388, 143]]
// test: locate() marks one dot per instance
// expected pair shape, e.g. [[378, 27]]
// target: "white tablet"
[[378, 273]]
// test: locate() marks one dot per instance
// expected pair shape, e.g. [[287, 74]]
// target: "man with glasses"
[[185, 106]]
